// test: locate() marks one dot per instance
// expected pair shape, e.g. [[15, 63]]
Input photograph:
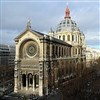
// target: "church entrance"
[[30, 80], [24, 80], [36, 79]]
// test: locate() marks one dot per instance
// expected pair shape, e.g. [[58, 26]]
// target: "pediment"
[[29, 31]]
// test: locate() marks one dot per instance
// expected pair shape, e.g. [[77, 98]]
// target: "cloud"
[[42, 15], [8, 36], [93, 39], [45, 15], [87, 17]]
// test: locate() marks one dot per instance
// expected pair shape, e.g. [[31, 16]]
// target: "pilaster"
[[40, 86], [33, 83], [16, 77], [41, 80], [26, 81]]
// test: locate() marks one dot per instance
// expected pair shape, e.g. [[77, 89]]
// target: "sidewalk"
[[16, 96]]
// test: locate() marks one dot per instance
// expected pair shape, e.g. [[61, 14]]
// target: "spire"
[[28, 24], [67, 13]]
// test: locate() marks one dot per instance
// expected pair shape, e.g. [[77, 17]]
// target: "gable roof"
[[42, 35], [54, 40], [32, 31]]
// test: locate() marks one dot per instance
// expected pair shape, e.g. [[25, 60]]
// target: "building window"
[[76, 51], [72, 37], [64, 22], [63, 37], [66, 51], [59, 52], [62, 51], [59, 37], [68, 37], [53, 50], [67, 21]]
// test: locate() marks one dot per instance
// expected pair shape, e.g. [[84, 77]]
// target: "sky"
[[45, 14]]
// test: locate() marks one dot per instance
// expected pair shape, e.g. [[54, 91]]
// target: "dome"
[[67, 25]]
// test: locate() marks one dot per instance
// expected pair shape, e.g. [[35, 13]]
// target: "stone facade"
[[42, 62]]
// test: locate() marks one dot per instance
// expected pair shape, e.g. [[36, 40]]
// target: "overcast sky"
[[47, 14]]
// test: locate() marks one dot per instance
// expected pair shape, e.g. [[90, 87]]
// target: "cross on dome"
[[67, 13]]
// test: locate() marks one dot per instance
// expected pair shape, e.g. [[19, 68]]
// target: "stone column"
[[16, 78], [15, 87], [51, 49], [21, 82], [40, 86], [41, 79], [26, 82], [33, 83], [47, 68]]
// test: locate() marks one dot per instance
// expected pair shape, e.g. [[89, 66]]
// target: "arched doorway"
[[36, 79], [24, 80], [30, 80]]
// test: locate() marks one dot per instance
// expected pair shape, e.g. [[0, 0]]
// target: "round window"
[[31, 50]]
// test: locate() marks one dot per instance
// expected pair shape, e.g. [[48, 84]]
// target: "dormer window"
[[67, 21]]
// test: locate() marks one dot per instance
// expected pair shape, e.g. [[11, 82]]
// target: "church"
[[43, 61]]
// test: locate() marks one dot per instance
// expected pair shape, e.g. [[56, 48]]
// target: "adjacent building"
[[7, 57], [42, 62], [91, 56]]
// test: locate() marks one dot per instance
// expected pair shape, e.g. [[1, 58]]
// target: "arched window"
[[72, 37], [64, 51], [67, 21], [30, 79], [24, 80], [63, 37], [76, 51], [59, 37], [68, 38]]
